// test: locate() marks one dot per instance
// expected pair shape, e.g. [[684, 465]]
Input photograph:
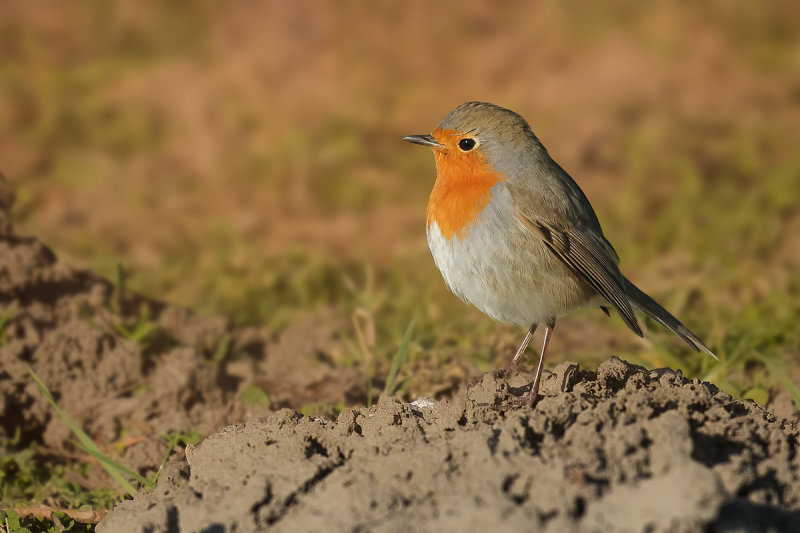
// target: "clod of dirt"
[[624, 449], [120, 364]]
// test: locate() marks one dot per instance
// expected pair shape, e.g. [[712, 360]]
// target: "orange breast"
[[461, 191]]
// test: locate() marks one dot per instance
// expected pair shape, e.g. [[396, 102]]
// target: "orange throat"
[[462, 190]]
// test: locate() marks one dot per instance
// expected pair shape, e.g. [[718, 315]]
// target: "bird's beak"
[[424, 140]]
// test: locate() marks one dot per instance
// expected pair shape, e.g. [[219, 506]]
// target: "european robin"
[[514, 235]]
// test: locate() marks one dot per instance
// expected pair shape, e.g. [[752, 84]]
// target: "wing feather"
[[589, 257]]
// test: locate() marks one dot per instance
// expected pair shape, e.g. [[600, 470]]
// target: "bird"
[[513, 234]]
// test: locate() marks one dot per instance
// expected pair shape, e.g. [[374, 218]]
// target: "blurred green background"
[[245, 158]]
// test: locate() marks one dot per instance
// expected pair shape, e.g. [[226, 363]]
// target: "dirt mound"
[[623, 449], [120, 364]]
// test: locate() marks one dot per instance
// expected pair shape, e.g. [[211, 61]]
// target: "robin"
[[514, 235]]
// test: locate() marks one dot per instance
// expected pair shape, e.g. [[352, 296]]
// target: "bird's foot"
[[526, 400], [529, 399], [511, 369]]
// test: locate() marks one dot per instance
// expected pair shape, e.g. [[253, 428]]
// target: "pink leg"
[[535, 388], [515, 362]]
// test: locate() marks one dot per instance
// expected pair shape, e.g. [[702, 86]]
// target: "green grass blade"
[[222, 350], [398, 360], [85, 440], [110, 463], [173, 439]]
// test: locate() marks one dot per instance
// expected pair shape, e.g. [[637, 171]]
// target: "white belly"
[[500, 268]]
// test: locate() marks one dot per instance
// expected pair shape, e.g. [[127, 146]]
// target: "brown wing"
[[588, 256]]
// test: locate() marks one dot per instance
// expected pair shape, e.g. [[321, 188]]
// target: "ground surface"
[[623, 447], [130, 370], [620, 450]]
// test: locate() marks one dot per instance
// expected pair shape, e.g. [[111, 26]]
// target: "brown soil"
[[621, 449], [66, 325], [624, 449]]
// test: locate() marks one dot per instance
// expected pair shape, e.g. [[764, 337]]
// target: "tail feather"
[[651, 308]]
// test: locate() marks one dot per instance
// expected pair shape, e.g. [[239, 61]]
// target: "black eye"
[[466, 144]]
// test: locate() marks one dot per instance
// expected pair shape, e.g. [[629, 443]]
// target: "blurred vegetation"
[[31, 478], [245, 159]]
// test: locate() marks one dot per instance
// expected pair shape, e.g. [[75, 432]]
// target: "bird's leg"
[[514, 366], [537, 379]]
